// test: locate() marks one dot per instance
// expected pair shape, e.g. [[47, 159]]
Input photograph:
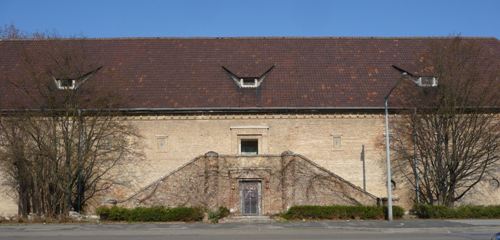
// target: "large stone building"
[[226, 116]]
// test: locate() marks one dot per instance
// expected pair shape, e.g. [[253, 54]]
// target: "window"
[[391, 135], [106, 143], [257, 133], [248, 82], [64, 84], [427, 81], [337, 142], [249, 147], [161, 143], [495, 183]]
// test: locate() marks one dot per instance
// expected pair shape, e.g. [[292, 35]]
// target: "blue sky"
[[213, 18]]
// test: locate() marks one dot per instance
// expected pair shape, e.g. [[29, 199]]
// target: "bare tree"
[[61, 149], [11, 32], [451, 138]]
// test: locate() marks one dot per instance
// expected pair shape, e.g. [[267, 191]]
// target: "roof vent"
[[248, 82]]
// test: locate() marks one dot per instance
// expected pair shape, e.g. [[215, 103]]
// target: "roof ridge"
[[262, 38]]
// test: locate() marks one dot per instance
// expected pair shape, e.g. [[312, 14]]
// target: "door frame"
[[259, 198]]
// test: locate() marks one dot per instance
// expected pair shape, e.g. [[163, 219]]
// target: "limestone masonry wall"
[[186, 137], [333, 141]]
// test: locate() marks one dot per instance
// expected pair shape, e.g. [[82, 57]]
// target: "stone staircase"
[[285, 180]]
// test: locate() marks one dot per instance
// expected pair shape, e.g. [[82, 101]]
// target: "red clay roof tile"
[[187, 73]]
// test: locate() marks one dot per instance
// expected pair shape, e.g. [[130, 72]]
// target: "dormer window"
[[73, 83], [427, 81], [65, 84], [421, 81], [248, 82]]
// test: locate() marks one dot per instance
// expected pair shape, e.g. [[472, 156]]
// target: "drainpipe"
[[364, 166]]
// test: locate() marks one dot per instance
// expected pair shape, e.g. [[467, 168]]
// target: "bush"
[[218, 214], [341, 212], [466, 211], [150, 214], [397, 211], [103, 212], [118, 214], [186, 214]]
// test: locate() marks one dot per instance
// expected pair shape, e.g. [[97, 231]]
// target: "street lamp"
[[421, 82], [388, 156]]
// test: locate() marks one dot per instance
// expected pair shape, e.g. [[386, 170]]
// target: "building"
[[236, 111]]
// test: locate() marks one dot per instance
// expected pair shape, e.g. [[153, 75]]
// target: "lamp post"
[[388, 157], [405, 74], [388, 150]]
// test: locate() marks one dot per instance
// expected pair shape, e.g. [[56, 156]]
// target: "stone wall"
[[186, 137], [213, 180], [8, 203], [171, 141]]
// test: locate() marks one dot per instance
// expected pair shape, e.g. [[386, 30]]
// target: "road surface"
[[407, 230]]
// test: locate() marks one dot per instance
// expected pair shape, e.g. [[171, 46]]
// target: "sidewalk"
[[435, 226]]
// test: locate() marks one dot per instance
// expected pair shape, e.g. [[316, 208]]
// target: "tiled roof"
[[186, 73]]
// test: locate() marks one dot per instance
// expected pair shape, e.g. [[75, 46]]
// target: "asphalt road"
[[290, 231]]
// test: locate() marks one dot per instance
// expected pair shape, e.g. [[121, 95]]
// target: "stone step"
[[247, 219]]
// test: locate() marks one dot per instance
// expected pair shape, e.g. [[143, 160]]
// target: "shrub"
[[186, 214], [218, 214], [103, 212], [150, 214], [340, 212], [118, 214], [397, 211], [466, 211]]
